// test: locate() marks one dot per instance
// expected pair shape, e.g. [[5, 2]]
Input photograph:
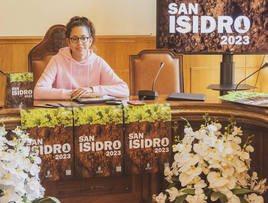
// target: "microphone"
[[151, 94], [263, 66]]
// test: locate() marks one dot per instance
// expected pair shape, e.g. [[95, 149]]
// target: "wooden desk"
[[139, 188]]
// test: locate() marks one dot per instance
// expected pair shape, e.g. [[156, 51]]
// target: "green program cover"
[[249, 98]]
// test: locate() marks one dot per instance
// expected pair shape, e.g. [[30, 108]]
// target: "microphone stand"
[[161, 66], [227, 76], [264, 65], [151, 94]]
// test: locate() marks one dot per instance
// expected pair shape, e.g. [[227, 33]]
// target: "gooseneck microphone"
[[151, 94], [263, 66], [161, 67]]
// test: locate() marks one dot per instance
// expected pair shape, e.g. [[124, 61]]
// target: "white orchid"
[[216, 180], [200, 134], [182, 148], [161, 198], [187, 176], [189, 160], [168, 173], [173, 193], [199, 183], [234, 199], [237, 131], [210, 164], [249, 148], [10, 195], [19, 181], [196, 198], [201, 149], [254, 198], [228, 171]]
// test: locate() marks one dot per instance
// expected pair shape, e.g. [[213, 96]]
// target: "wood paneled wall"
[[199, 70], [203, 70]]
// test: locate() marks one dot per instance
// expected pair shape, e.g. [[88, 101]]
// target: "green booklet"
[[249, 98]]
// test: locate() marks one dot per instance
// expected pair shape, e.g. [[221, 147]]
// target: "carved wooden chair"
[[40, 55], [144, 67]]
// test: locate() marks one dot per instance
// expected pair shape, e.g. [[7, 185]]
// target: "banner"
[[148, 137], [19, 89], [98, 134], [197, 26], [52, 134]]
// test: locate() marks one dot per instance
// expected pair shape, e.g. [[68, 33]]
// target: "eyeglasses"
[[82, 39]]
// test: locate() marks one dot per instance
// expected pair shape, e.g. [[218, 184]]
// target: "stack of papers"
[[249, 98]]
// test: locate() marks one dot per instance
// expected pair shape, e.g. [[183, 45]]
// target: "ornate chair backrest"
[[144, 67], [40, 55]]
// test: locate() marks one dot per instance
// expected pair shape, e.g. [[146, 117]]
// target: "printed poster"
[[98, 134], [51, 131], [148, 137], [19, 89]]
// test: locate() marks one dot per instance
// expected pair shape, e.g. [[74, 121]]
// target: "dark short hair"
[[80, 21]]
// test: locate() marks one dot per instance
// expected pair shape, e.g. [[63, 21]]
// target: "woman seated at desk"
[[76, 70]]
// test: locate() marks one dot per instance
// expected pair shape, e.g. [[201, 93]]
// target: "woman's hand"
[[82, 92]]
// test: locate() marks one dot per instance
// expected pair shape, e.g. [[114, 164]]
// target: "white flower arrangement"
[[211, 166], [19, 169]]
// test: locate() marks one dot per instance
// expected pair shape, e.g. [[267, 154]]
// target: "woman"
[[76, 70]]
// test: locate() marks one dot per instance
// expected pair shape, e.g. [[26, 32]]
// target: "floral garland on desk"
[[19, 169], [211, 166]]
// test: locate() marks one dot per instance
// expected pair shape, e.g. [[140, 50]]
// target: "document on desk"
[[256, 99], [176, 96], [93, 100]]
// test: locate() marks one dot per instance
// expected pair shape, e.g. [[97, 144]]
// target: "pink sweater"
[[64, 74]]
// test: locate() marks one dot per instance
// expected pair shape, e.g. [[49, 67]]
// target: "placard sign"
[[98, 134], [226, 26], [19, 89], [148, 137], [51, 131]]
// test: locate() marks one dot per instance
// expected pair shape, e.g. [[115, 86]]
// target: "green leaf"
[[181, 198], [189, 191], [238, 191], [175, 179], [242, 200], [221, 196], [54, 199], [171, 185]]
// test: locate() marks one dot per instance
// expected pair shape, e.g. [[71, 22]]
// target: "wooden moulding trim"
[[124, 39], [20, 40], [197, 113], [101, 38]]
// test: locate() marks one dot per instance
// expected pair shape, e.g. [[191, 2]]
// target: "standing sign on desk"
[[148, 137], [98, 135], [19, 89], [51, 131]]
